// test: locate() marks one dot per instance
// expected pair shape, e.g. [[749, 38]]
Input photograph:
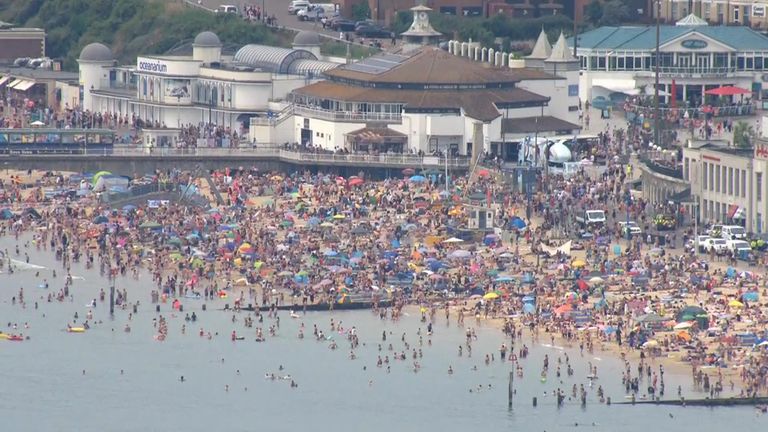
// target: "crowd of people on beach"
[[286, 242]]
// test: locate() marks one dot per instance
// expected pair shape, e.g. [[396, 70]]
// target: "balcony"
[[346, 116], [691, 72]]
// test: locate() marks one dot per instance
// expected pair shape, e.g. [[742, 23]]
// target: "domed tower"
[[93, 65], [207, 48], [308, 41]]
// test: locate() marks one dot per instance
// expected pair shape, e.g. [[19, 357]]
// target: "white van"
[[226, 9], [733, 232], [297, 5]]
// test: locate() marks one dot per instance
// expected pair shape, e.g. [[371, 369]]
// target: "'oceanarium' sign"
[[152, 66]]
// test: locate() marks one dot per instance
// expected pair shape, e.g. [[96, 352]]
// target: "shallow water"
[[44, 388]]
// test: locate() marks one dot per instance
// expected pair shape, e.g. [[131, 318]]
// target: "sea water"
[[59, 381]]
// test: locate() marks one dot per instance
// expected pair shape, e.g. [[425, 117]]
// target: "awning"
[[16, 81], [4, 80], [735, 211], [617, 85], [24, 85]]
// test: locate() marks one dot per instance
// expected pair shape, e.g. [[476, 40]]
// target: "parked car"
[[630, 227], [297, 5], [718, 245], [226, 9], [733, 232], [373, 32], [344, 25]]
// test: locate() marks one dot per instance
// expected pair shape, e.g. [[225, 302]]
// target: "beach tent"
[[110, 182], [6, 214], [650, 318], [98, 175]]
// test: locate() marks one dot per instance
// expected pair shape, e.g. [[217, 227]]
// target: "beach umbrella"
[[129, 208], [491, 296], [577, 263], [517, 223], [503, 279], [581, 285], [651, 344], [409, 171], [529, 308], [313, 221], [417, 178], [330, 253], [751, 296], [339, 216], [684, 335], [453, 240], [735, 304], [563, 309], [355, 181], [245, 248], [100, 219], [483, 173], [596, 280], [571, 297], [175, 256], [460, 254], [285, 273], [529, 299], [683, 325]]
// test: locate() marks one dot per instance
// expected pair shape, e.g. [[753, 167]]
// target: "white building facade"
[[206, 87], [693, 59], [429, 101]]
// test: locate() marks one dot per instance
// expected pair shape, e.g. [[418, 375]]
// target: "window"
[[712, 177], [705, 176], [704, 213], [717, 179], [707, 10], [721, 60], [759, 223], [736, 14], [730, 181], [744, 184], [724, 177], [736, 182], [759, 186]]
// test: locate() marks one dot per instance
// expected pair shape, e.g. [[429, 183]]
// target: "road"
[[279, 9]]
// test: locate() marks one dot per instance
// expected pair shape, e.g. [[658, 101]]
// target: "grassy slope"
[[129, 27]]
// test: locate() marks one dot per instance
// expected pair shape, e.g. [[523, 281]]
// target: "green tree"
[[361, 11], [743, 135], [615, 12], [594, 12]]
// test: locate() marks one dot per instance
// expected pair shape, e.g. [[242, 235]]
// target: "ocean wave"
[[21, 265]]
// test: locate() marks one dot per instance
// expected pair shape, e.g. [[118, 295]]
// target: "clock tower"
[[421, 32]]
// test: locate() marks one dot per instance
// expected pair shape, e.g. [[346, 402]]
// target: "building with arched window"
[[207, 86]]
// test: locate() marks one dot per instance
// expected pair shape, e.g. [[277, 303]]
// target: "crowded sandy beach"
[[283, 245]]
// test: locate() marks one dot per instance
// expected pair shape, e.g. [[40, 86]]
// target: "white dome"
[[207, 39], [96, 52], [559, 153]]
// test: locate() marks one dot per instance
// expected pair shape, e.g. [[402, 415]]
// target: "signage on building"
[[761, 151], [694, 44], [758, 11], [177, 90], [152, 65]]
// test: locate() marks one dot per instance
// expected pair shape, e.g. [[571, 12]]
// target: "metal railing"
[[348, 116], [690, 71], [266, 152], [662, 169]]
